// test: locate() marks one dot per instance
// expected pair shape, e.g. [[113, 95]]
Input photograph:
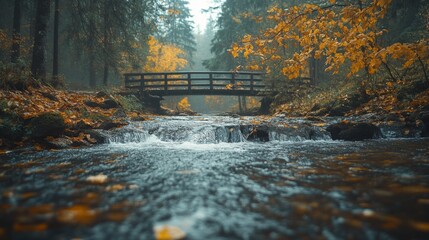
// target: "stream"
[[201, 175]]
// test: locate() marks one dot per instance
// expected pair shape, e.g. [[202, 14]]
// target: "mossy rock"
[[353, 131], [11, 127], [46, 124]]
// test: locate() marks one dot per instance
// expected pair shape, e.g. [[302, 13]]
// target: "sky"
[[200, 19]]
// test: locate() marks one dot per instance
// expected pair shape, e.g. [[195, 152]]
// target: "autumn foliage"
[[346, 35], [164, 57], [184, 105]]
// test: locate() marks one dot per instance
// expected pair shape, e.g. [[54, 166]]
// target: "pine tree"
[[233, 23], [38, 66], [178, 29]]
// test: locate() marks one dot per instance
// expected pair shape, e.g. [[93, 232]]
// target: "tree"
[[233, 23], [163, 57], [178, 27], [112, 33], [345, 34], [16, 31], [38, 65], [55, 67]]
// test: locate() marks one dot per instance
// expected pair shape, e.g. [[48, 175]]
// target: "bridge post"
[[211, 81], [251, 81], [189, 82], [142, 82], [165, 82], [127, 78]]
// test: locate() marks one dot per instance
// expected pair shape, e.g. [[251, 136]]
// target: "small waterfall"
[[128, 135], [298, 133], [211, 132], [230, 134]]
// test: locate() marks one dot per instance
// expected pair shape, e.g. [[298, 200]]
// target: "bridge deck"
[[198, 83]]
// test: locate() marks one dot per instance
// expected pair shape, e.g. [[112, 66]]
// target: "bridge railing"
[[171, 81]]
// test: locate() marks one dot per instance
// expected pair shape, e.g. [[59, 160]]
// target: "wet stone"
[[353, 131]]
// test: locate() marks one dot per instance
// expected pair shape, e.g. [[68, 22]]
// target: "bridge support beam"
[[265, 105], [151, 101]]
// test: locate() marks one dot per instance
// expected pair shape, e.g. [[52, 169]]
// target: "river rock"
[[92, 104], [102, 95], [58, 143], [107, 125], [109, 104], [50, 96], [46, 124], [255, 133], [424, 117], [120, 113], [11, 127], [353, 131], [81, 125], [99, 136]]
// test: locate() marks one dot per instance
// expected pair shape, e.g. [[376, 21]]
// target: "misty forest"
[[214, 119]]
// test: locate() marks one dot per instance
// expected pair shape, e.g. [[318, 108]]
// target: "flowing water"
[[200, 174]]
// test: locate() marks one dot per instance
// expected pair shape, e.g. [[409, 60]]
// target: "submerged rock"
[[424, 117], [353, 131]]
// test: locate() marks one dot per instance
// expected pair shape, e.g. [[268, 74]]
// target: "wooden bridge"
[[198, 83]]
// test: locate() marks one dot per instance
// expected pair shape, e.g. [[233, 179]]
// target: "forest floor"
[[46, 118]]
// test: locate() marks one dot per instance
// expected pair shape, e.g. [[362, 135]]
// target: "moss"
[[46, 124], [130, 103]]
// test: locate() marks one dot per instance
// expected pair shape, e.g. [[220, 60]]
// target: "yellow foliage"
[[164, 57], [184, 105], [346, 36]]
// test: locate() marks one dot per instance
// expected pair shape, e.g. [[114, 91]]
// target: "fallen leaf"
[[114, 188], [78, 214], [25, 227], [421, 226], [166, 232], [100, 178]]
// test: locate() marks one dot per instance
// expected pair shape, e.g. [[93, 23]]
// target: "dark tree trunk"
[[92, 75], [244, 102], [240, 105], [106, 73], [106, 43], [91, 52], [16, 32], [38, 65], [55, 66]]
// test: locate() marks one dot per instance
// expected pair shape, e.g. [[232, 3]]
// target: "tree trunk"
[[38, 65], [106, 44], [16, 32], [106, 73], [92, 76], [55, 80], [240, 106]]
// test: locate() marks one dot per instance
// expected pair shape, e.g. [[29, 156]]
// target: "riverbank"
[[403, 106], [46, 118]]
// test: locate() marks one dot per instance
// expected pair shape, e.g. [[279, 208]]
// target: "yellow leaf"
[[100, 178], [166, 232], [78, 214]]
